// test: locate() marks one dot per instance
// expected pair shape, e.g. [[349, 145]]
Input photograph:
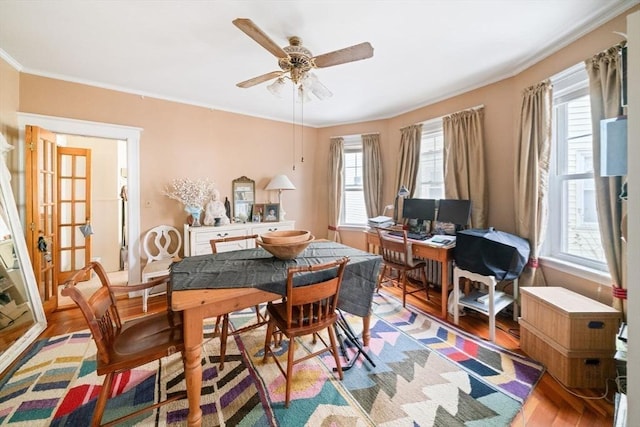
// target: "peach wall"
[[180, 140]]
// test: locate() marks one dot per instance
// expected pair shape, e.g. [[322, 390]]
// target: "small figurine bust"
[[215, 209]]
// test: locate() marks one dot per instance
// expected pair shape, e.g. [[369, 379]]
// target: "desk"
[[211, 285], [424, 251]]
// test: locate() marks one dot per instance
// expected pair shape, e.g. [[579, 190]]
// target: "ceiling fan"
[[296, 61]]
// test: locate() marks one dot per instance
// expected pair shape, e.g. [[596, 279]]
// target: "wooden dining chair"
[[123, 346], [397, 256], [306, 310], [245, 241]]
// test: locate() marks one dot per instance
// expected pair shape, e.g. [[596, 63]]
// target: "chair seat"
[[157, 268], [144, 340], [417, 263]]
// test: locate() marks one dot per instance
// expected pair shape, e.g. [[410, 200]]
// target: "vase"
[[194, 211]]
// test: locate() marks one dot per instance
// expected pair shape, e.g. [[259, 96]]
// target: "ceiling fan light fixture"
[[312, 84], [277, 87]]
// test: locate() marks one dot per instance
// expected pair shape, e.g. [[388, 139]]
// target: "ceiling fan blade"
[[260, 79], [249, 28], [348, 54]]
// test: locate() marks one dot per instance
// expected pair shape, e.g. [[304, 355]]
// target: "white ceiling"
[[189, 51]]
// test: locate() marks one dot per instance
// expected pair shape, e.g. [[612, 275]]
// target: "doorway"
[[131, 138], [93, 230]]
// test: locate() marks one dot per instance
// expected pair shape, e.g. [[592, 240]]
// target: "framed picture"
[[271, 212], [257, 212]]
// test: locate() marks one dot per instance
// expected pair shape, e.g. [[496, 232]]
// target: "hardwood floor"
[[550, 404]]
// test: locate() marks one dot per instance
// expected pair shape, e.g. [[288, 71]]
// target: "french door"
[[41, 211], [74, 211]]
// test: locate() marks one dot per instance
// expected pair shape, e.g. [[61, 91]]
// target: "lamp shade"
[[403, 191], [280, 182]]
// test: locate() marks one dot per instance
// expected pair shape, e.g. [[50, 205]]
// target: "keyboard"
[[413, 236]]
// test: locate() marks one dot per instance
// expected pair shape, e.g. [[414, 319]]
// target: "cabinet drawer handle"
[[223, 235], [273, 229]]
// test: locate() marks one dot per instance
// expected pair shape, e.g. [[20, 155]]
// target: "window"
[[353, 208], [430, 182], [573, 234]]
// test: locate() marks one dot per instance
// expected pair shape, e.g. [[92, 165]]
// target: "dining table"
[[211, 285]]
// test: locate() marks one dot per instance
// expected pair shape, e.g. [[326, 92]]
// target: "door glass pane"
[[65, 189], [81, 167], [65, 213], [80, 186], [81, 215], [65, 260], [65, 236], [79, 239], [79, 257], [65, 166]]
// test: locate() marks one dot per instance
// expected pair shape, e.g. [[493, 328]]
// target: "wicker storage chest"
[[573, 368], [573, 321]]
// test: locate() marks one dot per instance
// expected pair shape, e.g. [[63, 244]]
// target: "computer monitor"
[[454, 211], [420, 209]]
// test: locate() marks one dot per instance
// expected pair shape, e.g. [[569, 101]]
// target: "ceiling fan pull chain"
[[302, 131], [293, 124]]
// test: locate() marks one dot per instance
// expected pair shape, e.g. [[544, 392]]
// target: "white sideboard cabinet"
[[196, 239]]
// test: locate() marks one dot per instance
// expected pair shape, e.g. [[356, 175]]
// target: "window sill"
[[352, 227], [586, 273]]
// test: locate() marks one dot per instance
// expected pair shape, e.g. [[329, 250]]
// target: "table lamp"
[[402, 192], [280, 182]]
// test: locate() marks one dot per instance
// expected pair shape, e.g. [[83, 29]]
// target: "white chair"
[[156, 245]]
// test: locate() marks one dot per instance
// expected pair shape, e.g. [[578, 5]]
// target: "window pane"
[[579, 145], [430, 183], [354, 212], [353, 169], [582, 235]]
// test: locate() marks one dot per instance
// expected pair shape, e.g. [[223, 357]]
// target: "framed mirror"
[[243, 191], [22, 317]]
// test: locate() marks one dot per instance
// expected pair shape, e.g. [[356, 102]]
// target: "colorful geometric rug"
[[426, 374]]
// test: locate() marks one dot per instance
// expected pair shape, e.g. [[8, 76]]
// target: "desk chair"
[[124, 346], [216, 244], [161, 245], [397, 256], [306, 310]]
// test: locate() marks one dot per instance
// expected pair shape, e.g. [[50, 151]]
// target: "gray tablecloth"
[[257, 268]]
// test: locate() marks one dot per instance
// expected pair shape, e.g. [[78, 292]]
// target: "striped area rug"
[[426, 374]]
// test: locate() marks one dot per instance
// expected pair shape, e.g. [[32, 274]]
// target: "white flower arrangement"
[[191, 193]]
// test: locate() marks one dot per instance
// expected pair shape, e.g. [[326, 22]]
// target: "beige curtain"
[[532, 174], [464, 169], [372, 174], [336, 180], [604, 90], [409, 158]]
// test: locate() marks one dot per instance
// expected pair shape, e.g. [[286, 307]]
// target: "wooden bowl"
[[285, 236], [285, 250]]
